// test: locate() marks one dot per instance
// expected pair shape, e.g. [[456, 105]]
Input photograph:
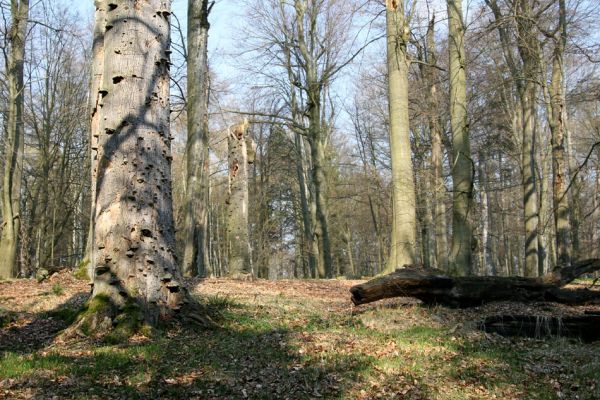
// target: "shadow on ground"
[[282, 348]]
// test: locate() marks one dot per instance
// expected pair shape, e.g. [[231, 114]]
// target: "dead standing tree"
[[241, 153]]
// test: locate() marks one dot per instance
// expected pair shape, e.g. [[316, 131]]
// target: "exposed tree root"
[[101, 318]]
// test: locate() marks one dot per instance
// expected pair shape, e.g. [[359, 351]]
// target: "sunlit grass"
[[275, 346]]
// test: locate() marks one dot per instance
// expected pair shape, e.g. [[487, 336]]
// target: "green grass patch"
[[81, 272], [285, 347], [66, 314], [57, 289]]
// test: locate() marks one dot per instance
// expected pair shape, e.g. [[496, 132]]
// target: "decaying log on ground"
[[433, 286], [583, 327]]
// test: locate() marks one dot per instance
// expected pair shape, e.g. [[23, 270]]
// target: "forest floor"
[[287, 340]]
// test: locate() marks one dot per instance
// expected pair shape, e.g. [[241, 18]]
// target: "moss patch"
[[128, 322], [66, 314]]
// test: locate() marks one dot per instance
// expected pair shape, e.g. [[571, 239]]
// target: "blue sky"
[[221, 18]]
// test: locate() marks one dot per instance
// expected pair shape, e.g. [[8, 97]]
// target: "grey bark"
[[195, 236], [557, 128], [435, 129], [134, 260], [95, 110], [13, 149], [238, 236], [527, 45], [404, 222], [462, 163], [311, 243], [316, 136]]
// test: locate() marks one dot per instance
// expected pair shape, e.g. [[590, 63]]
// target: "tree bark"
[[404, 223], [557, 129], [195, 257], [311, 244], [437, 159], [134, 264], [527, 89], [434, 287], [14, 146], [238, 237], [95, 109], [462, 163]]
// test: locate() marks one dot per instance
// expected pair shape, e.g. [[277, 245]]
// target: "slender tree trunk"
[[404, 222], [437, 159], [134, 261], [238, 236], [317, 146], [14, 141], [560, 199], [195, 257], [488, 267], [462, 163], [351, 272], [312, 246], [545, 230], [527, 93], [530, 200], [502, 235], [574, 196]]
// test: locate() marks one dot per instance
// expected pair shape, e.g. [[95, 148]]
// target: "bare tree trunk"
[[13, 148], [95, 107], [134, 262], [575, 194], [530, 200], [462, 163], [317, 146], [238, 237], [351, 271], [437, 159], [527, 90], [196, 256], [545, 231], [560, 199], [488, 266], [312, 246], [404, 222]]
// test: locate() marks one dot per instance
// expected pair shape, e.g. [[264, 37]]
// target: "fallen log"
[[583, 327], [433, 286]]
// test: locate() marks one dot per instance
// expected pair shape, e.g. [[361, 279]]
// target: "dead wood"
[[583, 327], [433, 286]]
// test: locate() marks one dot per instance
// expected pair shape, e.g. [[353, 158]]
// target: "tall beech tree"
[[134, 265], [404, 223], [529, 51], [557, 124], [14, 139], [462, 164], [195, 237], [437, 158]]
